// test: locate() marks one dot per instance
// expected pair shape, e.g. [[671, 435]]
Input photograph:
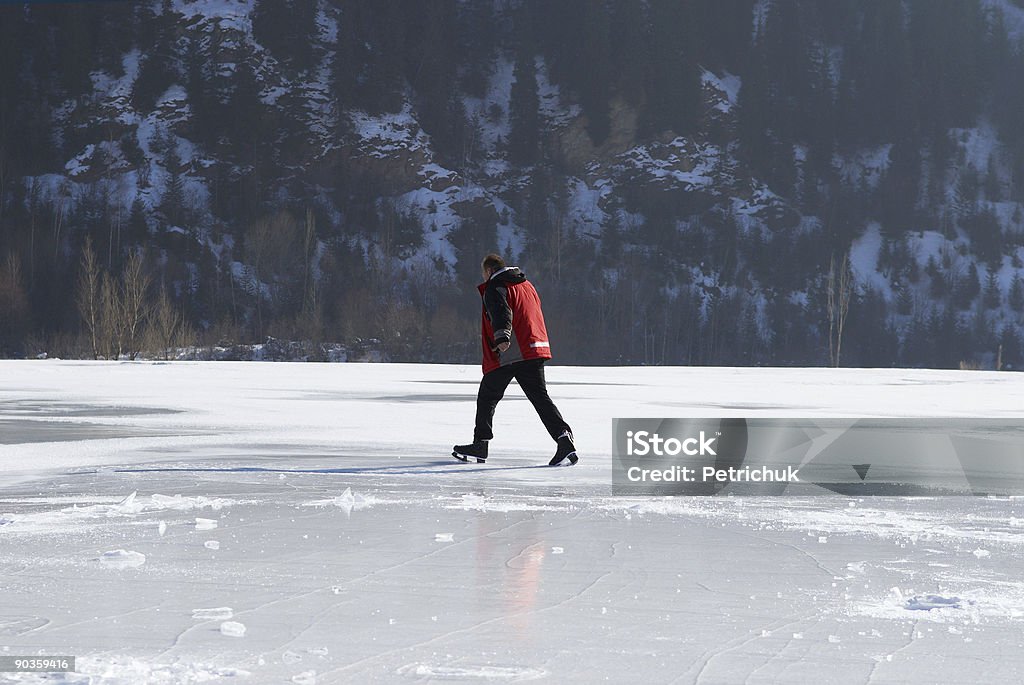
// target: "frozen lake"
[[277, 523]]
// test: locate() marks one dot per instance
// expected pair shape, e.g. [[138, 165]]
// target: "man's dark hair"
[[493, 261]]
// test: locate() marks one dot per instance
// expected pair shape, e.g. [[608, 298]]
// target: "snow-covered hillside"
[[265, 523], [388, 148]]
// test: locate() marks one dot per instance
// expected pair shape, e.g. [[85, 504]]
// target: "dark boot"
[[478, 450], [566, 450]]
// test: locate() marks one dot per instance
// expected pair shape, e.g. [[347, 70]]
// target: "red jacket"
[[511, 311]]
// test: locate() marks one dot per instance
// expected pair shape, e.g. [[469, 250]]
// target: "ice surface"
[[331, 486]]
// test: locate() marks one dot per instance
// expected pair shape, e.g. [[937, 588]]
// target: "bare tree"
[[3, 175], [165, 324], [89, 296], [111, 316], [271, 253], [14, 309], [840, 289], [309, 290], [135, 307]]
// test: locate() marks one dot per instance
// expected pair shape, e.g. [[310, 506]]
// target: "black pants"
[[529, 373]]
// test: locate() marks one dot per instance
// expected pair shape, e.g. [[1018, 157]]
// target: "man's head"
[[492, 263]]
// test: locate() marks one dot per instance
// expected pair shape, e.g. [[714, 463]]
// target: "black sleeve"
[[498, 311]]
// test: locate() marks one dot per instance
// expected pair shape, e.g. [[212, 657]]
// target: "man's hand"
[[503, 346]]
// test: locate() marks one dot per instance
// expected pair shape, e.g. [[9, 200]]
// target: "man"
[[515, 345]]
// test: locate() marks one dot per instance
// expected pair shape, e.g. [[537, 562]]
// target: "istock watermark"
[[851, 456]]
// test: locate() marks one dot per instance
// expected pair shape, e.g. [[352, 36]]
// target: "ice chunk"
[[214, 614], [929, 602], [211, 544], [349, 501], [122, 558], [232, 629], [205, 524], [180, 503], [128, 505], [444, 537]]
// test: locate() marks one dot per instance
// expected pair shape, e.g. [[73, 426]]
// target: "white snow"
[[865, 166], [491, 112], [864, 261], [390, 133], [552, 108], [585, 213], [979, 143], [505, 572], [677, 166], [727, 84]]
